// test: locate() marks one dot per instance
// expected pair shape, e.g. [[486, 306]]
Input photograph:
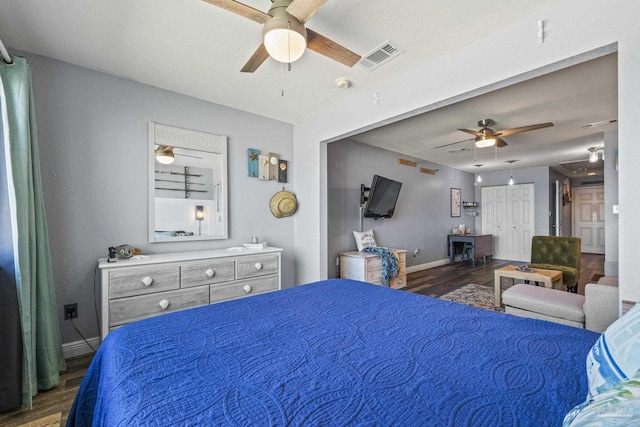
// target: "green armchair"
[[558, 253]]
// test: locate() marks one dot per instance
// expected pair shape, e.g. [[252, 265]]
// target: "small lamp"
[[593, 154], [511, 162], [199, 218], [164, 154]]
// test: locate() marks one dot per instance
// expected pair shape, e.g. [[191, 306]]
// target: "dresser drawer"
[[399, 282], [207, 272], [127, 310], [374, 275], [257, 266], [243, 288], [143, 280]]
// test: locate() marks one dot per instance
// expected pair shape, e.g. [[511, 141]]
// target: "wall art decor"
[[455, 202], [253, 154], [282, 171]]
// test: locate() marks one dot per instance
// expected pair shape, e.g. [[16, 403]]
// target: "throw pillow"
[[364, 239], [615, 357], [618, 406]]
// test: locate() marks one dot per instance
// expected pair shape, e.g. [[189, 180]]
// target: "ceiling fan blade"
[[241, 9], [472, 132], [305, 9], [452, 143], [500, 142], [256, 60], [324, 46], [513, 131]]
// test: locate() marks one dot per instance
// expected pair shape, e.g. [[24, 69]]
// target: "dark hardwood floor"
[[51, 408], [438, 281]]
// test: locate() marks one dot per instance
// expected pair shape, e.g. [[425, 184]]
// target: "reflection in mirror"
[[187, 185]]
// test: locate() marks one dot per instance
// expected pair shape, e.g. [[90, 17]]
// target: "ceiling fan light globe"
[[482, 142], [164, 155], [285, 38]]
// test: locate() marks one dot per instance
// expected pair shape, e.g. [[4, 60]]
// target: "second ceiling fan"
[[284, 35], [487, 137]]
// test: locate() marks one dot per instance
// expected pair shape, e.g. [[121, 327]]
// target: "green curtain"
[[43, 358]]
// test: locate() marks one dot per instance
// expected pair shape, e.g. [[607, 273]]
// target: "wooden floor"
[[51, 408], [440, 280]]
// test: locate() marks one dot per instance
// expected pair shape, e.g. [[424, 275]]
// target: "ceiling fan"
[[284, 35], [487, 137]]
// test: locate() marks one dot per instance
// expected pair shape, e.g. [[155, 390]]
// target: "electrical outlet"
[[415, 252], [71, 311]]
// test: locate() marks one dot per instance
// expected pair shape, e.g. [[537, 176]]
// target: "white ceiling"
[[569, 98], [197, 49]]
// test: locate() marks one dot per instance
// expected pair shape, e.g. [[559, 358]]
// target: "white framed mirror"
[[187, 185]]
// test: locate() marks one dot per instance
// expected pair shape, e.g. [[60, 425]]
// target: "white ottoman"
[[545, 304]]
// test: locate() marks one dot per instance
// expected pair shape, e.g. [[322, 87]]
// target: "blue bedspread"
[[337, 352]]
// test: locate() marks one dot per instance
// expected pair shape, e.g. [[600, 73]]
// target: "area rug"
[[474, 295]]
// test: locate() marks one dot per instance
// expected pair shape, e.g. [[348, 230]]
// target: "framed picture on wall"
[[455, 202]]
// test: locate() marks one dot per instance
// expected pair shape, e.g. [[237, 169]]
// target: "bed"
[[336, 352]]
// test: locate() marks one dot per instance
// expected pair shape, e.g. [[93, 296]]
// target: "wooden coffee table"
[[511, 272]]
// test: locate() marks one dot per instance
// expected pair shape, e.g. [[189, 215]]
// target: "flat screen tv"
[[382, 199]]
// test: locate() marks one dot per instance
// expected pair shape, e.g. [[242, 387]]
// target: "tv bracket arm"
[[363, 199]]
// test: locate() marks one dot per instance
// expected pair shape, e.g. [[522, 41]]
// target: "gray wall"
[[422, 218], [537, 175], [610, 199], [565, 209], [92, 130]]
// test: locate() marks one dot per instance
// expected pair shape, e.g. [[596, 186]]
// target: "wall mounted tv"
[[382, 199]]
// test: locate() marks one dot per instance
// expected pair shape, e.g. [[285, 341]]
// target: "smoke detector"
[[343, 83]]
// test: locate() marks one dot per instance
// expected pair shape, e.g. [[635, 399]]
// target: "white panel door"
[[588, 218], [527, 220], [513, 223], [493, 207]]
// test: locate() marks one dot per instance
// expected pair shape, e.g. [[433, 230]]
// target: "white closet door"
[[493, 207], [508, 212], [521, 221]]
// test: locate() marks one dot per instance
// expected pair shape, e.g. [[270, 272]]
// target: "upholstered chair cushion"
[[558, 253]]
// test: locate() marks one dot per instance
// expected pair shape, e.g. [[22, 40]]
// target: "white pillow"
[[618, 406], [615, 357], [364, 239]]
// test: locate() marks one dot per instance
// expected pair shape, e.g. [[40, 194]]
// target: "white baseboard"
[[428, 265], [79, 348]]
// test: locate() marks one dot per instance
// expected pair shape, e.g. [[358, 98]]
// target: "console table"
[[511, 272], [135, 289], [481, 245]]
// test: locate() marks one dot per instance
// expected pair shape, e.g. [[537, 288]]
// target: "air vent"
[[380, 55], [598, 124], [458, 150]]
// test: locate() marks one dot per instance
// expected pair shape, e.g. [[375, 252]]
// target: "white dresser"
[[135, 289]]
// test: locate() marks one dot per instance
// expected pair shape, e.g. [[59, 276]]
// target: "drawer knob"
[[247, 288], [210, 273], [164, 304], [258, 266], [147, 281]]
